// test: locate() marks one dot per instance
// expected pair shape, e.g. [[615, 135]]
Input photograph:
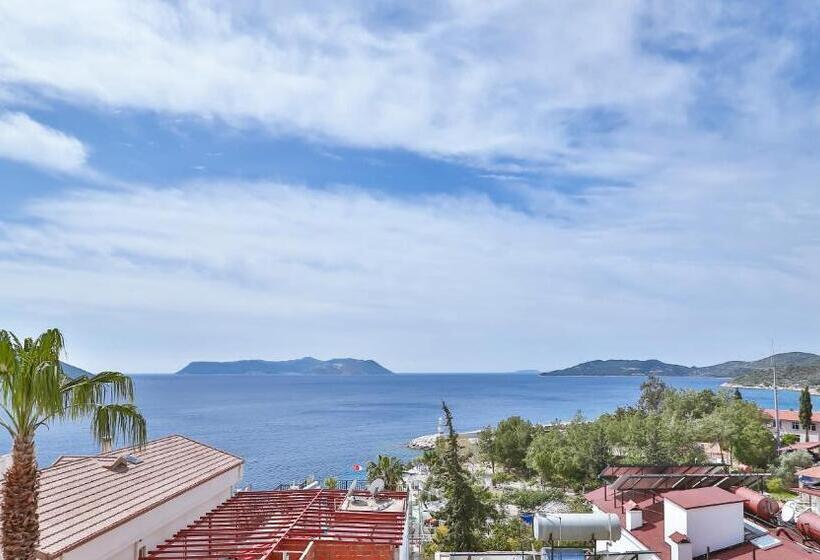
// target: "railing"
[[361, 484]]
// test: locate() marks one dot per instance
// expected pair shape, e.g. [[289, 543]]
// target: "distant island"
[[302, 366], [73, 371], [795, 370]]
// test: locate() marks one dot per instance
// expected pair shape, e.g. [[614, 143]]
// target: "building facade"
[[119, 505]]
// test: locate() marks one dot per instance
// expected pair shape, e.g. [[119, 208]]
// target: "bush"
[[789, 439], [775, 486], [502, 476], [530, 500], [789, 464]]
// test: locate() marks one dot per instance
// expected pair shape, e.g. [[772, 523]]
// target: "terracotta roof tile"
[[82, 497]]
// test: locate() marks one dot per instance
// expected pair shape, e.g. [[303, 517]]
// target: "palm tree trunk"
[[21, 527]]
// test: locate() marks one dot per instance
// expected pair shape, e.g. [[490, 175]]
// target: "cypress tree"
[[805, 410], [464, 515]]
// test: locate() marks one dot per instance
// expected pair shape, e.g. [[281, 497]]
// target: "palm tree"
[[389, 469], [33, 392]]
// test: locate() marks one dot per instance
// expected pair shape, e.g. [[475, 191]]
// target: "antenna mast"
[[776, 407]]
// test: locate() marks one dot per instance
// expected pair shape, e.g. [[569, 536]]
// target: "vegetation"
[[466, 513], [510, 534], [35, 392], [789, 439], [331, 483], [389, 469], [511, 440], [805, 410], [789, 464]]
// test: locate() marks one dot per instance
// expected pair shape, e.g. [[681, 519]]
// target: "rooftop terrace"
[[266, 525]]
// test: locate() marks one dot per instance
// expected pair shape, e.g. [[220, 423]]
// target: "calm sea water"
[[289, 427]]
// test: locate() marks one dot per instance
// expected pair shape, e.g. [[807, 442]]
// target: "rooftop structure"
[[314, 524], [704, 517], [111, 505]]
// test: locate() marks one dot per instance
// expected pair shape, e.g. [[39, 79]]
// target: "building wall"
[[715, 527], [787, 427], [158, 524]]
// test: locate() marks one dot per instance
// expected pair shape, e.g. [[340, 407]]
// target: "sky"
[[439, 186]]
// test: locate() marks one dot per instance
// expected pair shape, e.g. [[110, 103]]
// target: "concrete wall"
[[715, 527], [158, 524]]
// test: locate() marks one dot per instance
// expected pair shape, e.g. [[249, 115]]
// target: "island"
[[795, 370], [302, 366]]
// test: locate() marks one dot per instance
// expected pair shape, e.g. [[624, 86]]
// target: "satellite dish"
[[376, 486], [787, 513]]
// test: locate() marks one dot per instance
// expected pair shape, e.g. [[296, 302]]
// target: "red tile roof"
[[813, 472], [82, 497], [651, 533], [791, 415], [702, 497]]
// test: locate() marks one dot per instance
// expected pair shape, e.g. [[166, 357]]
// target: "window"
[[795, 426], [814, 427]]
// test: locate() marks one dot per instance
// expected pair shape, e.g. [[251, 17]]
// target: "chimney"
[[633, 515], [680, 545]]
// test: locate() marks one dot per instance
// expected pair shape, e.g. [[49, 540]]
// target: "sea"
[[289, 428]]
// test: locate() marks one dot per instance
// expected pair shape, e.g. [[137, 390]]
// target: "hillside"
[[302, 366], [623, 367], [73, 371], [805, 370], [795, 367]]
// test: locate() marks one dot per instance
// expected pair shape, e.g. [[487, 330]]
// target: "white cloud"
[[235, 270], [468, 79], [25, 140]]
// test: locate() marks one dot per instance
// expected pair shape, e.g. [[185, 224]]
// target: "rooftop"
[[651, 533], [256, 524], [702, 497], [791, 415], [109, 489], [812, 472]]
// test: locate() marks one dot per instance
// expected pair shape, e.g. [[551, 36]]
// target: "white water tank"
[[597, 526]]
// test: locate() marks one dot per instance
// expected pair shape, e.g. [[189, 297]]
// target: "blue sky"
[[471, 186]]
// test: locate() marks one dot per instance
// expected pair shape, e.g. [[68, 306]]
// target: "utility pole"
[[776, 407]]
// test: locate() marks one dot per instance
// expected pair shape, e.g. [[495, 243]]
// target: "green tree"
[[389, 469], [789, 464], [331, 483], [750, 440], [486, 446], [35, 392], [542, 454], [805, 410], [510, 534], [465, 514], [512, 438], [653, 391]]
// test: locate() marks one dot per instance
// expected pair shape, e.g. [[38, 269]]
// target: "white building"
[[790, 424], [117, 505]]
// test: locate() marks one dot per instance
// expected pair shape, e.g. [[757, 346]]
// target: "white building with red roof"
[[118, 505], [790, 424], [689, 524]]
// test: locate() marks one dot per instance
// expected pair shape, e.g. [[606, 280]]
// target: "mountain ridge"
[[804, 363], [301, 366]]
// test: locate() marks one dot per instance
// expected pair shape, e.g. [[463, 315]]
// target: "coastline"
[[794, 388]]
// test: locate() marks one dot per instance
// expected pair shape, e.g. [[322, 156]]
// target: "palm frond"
[[83, 394], [119, 422]]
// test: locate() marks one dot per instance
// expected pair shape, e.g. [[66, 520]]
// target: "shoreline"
[[794, 388]]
